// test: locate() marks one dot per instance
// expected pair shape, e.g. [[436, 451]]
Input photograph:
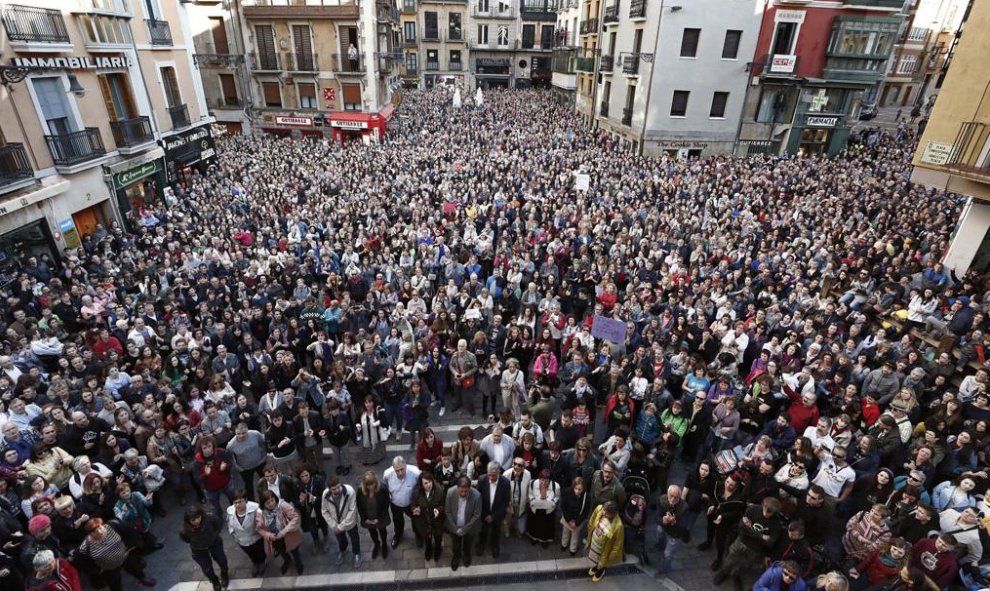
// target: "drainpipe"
[[649, 88]]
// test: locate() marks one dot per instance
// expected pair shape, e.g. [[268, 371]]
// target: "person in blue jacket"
[[782, 576]]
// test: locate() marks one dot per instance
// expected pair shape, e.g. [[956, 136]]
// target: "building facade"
[[318, 64], [954, 151], [537, 36], [442, 28], [105, 110], [587, 59], [219, 54], [494, 39], [812, 66], [565, 52]]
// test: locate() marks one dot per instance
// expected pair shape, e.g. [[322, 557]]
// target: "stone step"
[[436, 577], [446, 433]]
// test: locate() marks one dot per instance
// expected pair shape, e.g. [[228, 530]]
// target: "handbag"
[[467, 382]]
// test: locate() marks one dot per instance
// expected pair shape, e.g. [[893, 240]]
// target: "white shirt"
[[401, 489]]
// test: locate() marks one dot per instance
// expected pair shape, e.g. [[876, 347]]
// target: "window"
[[432, 59], [117, 97], [351, 94], [432, 26], [411, 63], [719, 100], [546, 36], [151, 6], [772, 105], [219, 32], [454, 29], [229, 87], [483, 6], [104, 30], [678, 107], [264, 38], [528, 36], [908, 64], [862, 38], [918, 34], [455, 58], [273, 94], [689, 42], [503, 36], [307, 95], [482, 34], [409, 30], [784, 37], [171, 85], [630, 97], [51, 98], [730, 47]]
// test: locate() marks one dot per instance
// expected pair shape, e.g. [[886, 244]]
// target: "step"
[[446, 433], [426, 578]]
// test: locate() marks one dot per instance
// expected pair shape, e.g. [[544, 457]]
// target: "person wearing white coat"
[[544, 494], [339, 509], [242, 525]]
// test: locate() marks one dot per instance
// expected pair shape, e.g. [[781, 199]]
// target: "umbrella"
[[478, 98], [457, 98]]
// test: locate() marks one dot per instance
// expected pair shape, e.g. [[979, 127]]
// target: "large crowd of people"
[[780, 329]]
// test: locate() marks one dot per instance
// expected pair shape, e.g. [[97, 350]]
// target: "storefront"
[[188, 151], [818, 133], [289, 125], [366, 127], [16, 247], [136, 183], [492, 72]]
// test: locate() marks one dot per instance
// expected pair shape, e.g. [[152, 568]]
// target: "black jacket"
[[202, 537], [497, 509], [575, 508]]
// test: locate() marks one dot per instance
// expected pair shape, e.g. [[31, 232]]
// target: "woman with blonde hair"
[[831, 581], [373, 504]]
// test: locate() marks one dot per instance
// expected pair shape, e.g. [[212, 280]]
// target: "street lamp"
[[14, 74]]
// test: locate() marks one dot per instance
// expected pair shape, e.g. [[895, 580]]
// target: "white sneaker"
[[357, 561], [443, 409]]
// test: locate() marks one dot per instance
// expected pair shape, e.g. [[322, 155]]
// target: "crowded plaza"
[[760, 358]]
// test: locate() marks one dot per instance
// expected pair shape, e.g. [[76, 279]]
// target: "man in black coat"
[[494, 489]]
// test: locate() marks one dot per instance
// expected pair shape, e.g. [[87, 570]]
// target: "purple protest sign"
[[608, 329]]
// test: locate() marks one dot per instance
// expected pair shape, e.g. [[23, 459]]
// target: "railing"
[[78, 146], [409, 42], [455, 37], [603, 109], [607, 64], [627, 116], [456, 66], [411, 71], [301, 62], [14, 164], [131, 132], [971, 150], [493, 12], [160, 33], [346, 65], [29, 24], [584, 64], [637, 9], [432, 66], [611, 13], [528, 43], [265, 61], [589, 27], [878, 3], [179, 115], [409, 7], [630, 64], [431, 35], [546, 43]]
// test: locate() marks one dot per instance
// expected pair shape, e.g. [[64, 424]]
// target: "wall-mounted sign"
[[133, 175], [329, 94], [789, 16], [819, 121], [82, 62], [294, 121], [682, 145], [185, 149], [782, 63], [936, 153], [349, 124]]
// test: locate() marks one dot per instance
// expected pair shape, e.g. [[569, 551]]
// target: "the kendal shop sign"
[[80, 62]]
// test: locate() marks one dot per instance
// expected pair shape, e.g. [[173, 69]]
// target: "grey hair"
[[42, 558], [494, 466], [398, 462]]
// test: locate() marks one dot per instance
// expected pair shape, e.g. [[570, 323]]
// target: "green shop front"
[[818, 133], [137, 183]]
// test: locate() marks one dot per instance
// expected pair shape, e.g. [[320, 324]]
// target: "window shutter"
[[265, 38], [304, 44], [352, 93], [219, 35], [273, 95], [229, 87], [108, 97]]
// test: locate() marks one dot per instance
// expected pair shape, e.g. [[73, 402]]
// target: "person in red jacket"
[[428, 451], [212, 472], [52, 574], [106, 343], [936, 558], [609, 297], [881, 566], [803, 411]]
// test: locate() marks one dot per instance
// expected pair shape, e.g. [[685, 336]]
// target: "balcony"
[[880, 4], [409, 42], [456, 66], [111, 7], [603, 108], [301, 62], [493, 12], [611, 14], [431, 35], [77, 147], [128, 133], [14, 165], [26, 24], [584, 64], [630, 65], [346, 66], [589, 27], [159, 31], [539, 10], [300, 9], [432, 66], [411, 71], [563, 60], [408, 7], [453, 37], [627, 116], [637, 9], [970, 154], [854, 69], [607, 64], [265, 62], [179, 115], [218, 60]]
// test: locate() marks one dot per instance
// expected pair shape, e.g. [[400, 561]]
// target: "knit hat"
[[38, 523]]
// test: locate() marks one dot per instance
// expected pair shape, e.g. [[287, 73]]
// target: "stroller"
[[635, 512]]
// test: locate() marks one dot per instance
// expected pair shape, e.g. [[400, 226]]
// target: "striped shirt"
[[109, 553]]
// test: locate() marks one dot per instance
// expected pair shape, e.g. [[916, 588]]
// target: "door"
[[264, 36], [86, 221], [304, 47], [117, 97], [52, 100]]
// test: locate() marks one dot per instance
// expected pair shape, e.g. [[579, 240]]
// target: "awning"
[[388, 112], [348, 116]]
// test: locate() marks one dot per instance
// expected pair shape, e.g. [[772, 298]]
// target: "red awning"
[[348, 116], [388, 112]]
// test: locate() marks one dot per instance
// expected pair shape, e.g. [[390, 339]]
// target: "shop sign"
[[294, 121], [349, 124], [69, 233], [133, 175], [819, 121], [682, 145], [789, 16], [783, 64], [186, 149], [81, 62], [936, 153]]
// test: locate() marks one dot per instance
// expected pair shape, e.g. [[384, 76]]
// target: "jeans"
[[668, 545], [205, 558], [393, 414], [213, 498], [355, 540]]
